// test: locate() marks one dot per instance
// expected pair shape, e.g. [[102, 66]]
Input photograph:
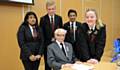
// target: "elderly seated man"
[[60, 53]]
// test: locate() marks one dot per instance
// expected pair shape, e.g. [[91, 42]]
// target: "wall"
[[13, 14], [10, 17], [116, 18]]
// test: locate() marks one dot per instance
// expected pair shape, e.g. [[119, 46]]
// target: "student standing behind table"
[[30, 40], [49, 23], [74, 30], [95, 34]]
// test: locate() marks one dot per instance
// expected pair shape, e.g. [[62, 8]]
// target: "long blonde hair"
[[99, 23]]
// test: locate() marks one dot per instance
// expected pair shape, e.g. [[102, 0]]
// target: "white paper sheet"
[[82, 67]]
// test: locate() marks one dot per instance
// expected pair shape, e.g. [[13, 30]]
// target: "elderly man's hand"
[[78, 62], [66, 65]]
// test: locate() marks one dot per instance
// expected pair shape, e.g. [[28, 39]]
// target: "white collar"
[[50, 16], [31, 29], [72, 22], [59, 43], [92, 27], [30, 26]]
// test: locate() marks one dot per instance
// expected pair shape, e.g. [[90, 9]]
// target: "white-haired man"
[[60, 53]]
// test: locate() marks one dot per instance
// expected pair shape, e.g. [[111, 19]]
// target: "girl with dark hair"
[[30, 40]]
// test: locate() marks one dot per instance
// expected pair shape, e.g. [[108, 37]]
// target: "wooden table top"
[[99, 66]]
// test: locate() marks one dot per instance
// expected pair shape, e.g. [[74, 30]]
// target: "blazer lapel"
[[68, 51], [69, 25], [29, 33], [48, 25], [48, 19]]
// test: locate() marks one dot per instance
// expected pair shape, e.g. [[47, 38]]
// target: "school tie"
[[52, 23], [72, 27], [34, 32], [92, 37], [73, 31], [63, 49]]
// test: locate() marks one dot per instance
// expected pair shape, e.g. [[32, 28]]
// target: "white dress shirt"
[[50, 18], [61, 46], [31, 29], [92, 28]]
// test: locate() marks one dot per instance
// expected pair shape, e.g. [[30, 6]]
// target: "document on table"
[[82, 67]]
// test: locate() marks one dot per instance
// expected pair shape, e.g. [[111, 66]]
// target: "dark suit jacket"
[[56, 57], [27, 44], [79, 44], [47, 27], [69, 36], [96, 41]]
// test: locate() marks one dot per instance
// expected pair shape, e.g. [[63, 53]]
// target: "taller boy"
[[49, 23]]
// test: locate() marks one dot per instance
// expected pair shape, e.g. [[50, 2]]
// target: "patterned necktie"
[[63, 49]]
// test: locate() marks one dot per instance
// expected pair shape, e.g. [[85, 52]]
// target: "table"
[[105, 66], [100, 66]]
